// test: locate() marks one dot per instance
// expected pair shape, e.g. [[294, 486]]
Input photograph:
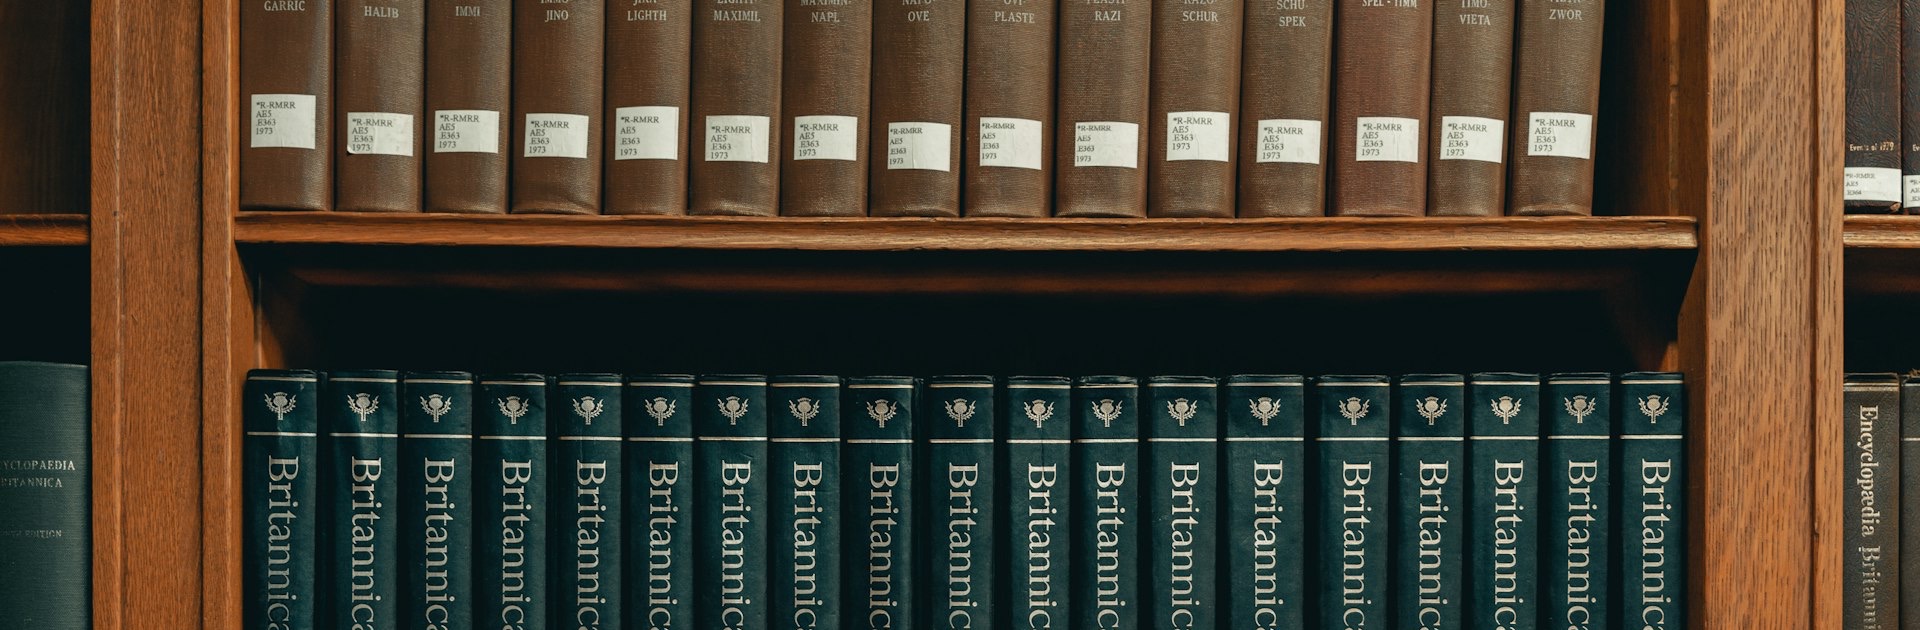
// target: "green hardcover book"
[[586, 509], [1106, 443], [1266, 519], [510, 495], [1577, 494], [360, 537], [436, 493], [1355, 463], [878, 422], [959, 551], [660, 501], [730, 456], [45, 492], [1503, 500], [1039, 524], [1430, 537], [1183, 498], [1909, 495], [805, 579], [1653, 497], [281, 507]]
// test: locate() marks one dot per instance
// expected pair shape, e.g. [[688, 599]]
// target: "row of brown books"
[[1009, 108], [1882, 172]]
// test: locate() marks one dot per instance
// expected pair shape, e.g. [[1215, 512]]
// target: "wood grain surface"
[[43, 229]]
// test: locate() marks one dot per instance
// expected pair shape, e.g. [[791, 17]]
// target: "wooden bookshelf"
[[43, 230]]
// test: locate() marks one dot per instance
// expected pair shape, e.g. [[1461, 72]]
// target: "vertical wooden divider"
[[1829, 132]]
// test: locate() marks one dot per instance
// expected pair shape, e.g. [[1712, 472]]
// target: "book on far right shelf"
[[1653, 472], [1556, 102], [1872, 175]]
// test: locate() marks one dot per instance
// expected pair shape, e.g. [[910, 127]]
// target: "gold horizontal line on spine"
[[587, 438], [1110, 386], [1872, 388], [1267, 384], [804, 440], [1432, 383], [1041, 386], [732, 438], [1505, 438], [1278, 438], [364, 435], [658, 384], [1036, 441], [436, 381], [879, 386], [526, 438], [959, 441], [878, 441], [1431, 438], [528, 383], [1651, 437], [441, 436], [1579, 437], [1654, 382], [1183, 439], [1208, 385], [282, 434], [734, 383], [1106, 440], [587, 384], [781, 385], [659, 439], [285, 379], [361, 379], [1351, 439], [1584, 382]]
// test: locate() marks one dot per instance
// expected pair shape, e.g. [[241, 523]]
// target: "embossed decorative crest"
[[803, 409], [513, 407], [1107, 410], [1354, 408], [1182, 410], [733, 407], [1039, 411], [281, 404], [960, 409], [588, 408], [436, 405], [1579, 407], [1653, 406], [1506, 407], [660, 408], [1264, 409], [1431, 408], [363, 404], [882, 410]]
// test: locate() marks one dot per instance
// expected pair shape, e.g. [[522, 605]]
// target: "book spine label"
[[649, 47], [1380, 108], [47, 486], [557, 83], [360, 579], [1286, 77], [286, 91], [1183, 498], [1577, 493], [381, 51], [1039, 522], [1353, 532], [734, 103], [1106, 442], [1871, 528], [281, 508], [1556, 97], [660, 500], [824, 98], [1429, 533], [960, 427], [1265, 503], [587, 511], [510, 493], [1653, 497], [1503, 527], [805, 581], [1909, 511], [916, 120], [1009, 109], [730, 451], [469, 105], [436, 493], [1100, 158], [1194, 108], [878, 421], [1472, 81], [1872, 174]]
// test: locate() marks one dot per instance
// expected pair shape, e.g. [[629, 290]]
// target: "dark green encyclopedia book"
[[1429, 531], [360, 538], [281, 508], [1653, 497], [46, 553], [1183, 498], [1503, 527], [1039, 530], [511, 501], [1355, 476], [1266, 518], [730, 452], [879, 424], [436, 493], [1577, 494], [1106, 502], [1909, 502], [660, 501], [1870, 582], [805, 583], [587, 517], [959, 428]]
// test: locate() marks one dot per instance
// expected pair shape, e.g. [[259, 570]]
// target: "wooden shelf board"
[[43, 229], [972, 234], [1882, 232]]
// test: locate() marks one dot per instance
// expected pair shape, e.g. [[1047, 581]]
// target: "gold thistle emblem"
[[363, 404], [960, 409], [436, 405], [803, 409], [1506, 407], [1579, 407], [281, 404], [1354, 408], [1107, 410], [1264, 409], [1431, 408], [1182, 410], [661, 409], [588, 408], [1653, 406], [882, 410], [513, 407], [1039, 411], [733, 407]]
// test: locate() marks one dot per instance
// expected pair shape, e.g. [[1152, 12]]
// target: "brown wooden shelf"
[[43, 229], [974, 234], [1882, 232]]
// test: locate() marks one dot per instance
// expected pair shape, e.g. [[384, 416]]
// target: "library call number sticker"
[[1386, 139], [646, 133], [826, 138], [1109, 143], [282, 121], [737, 139], [556, 135], [379, 133], [1289, 141], [1010, 142], [923, 146], [1198, 136], [466, 131], [1473, 138], [1560, 134]]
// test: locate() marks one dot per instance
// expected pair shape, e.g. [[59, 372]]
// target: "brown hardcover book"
[[823, 103], [919, 74], [1467, 131], [1910, 166], [469, 105], [649, 47], [1556, 96], [286, 92], [1009, 153], [1380, 107], [1194, 105], [380, 52], [736, 102], [1872, 172], [1285, 82], [557, 70], [1100, 167]]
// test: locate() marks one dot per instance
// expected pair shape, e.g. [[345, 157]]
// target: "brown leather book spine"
[[1872, 169], [1556, 99], [736, 102], [649, 56], [1472, 81], [919, 49], [1285, 88], [557, 71], [1009, 150], [1194, 107], [380, 53], [286, 94], [827, 80], [1910, 164], [1382, 48], [469, 104], [1100, 167]]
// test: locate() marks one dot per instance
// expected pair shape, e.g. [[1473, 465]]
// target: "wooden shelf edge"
[[1881, 232], [972, 234], [43, 229]]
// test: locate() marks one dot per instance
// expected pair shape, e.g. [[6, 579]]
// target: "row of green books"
[[1882, 424], [442, 500]]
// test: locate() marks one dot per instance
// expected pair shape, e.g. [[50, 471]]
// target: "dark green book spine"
[[878, 422], [588, 556], [1430, 498], [1355, 479], [511, 478], [1653, 498], [360, 538], [281, 509], [959, 428], [1106, 502], [1266, 518], [660, 501], [730, 452], [436, 493], [1183, 498], [1909, 495], [1039, 525], [806, 501], [1503, 527], [1577, 494], [46, 554]]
